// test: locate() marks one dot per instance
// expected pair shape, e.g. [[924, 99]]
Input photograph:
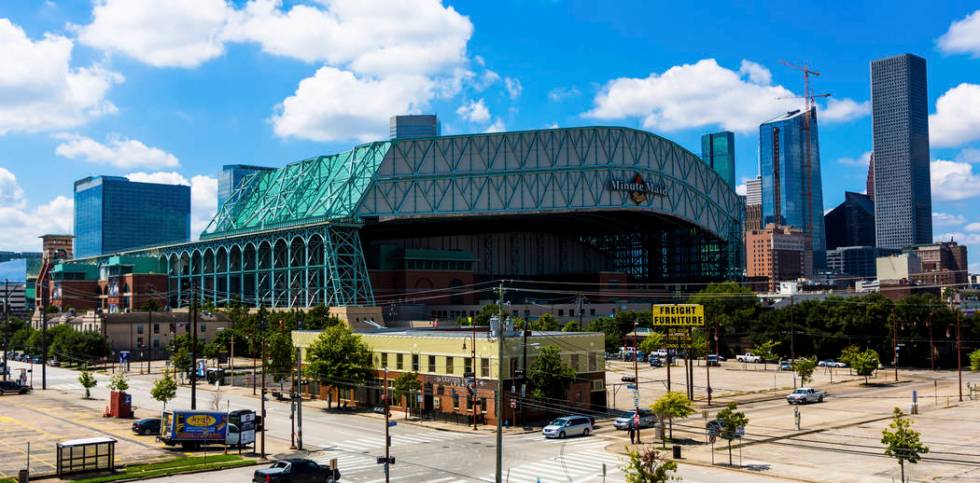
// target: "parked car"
[[647, 420], [628, 378], [803, 395], [831, 363], [568, 426], [147, 426], [712, 360], [13, 387], [661, 353], [35, 359], [785, 365], [748, 357], [655, 361], [54, 362], [296, 470]]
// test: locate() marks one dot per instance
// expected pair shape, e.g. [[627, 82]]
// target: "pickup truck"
[[748, 357], [805, 395], [296, 470]]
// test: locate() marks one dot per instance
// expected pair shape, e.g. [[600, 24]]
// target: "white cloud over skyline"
[[117, 151]]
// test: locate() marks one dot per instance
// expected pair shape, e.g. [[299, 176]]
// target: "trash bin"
[[677, 451], [22, 476]]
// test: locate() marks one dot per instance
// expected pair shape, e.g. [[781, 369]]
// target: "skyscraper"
[[792, 191], [414, 126], [113, 214], [851, 223], [231, 176], [900, 128], [753, 204], [718, 151]]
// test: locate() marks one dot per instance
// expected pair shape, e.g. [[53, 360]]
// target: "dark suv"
[[13, 387], [147, 426]]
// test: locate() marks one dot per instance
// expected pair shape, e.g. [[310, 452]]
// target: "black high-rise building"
[[851, 223]]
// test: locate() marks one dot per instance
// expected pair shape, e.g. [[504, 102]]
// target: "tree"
[[546, 322], [975, 360], [648, 467], [550, 377], [181, 360], [609, 327], [730, 305], [571, 326], [865, 363], [280, 356], [118, 382], [672, 405], [766, 351], [901, 441], [407, 386], [730, 420], [164, 389], [652, 342], [804, 368], [87, 381], [848, 355], [338, 358]]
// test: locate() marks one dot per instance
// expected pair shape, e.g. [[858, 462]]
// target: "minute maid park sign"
[[639, 190]]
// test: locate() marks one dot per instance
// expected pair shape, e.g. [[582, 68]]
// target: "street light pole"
[[194, 346], [387, 437], [959, 365], [473, 366], [262, 393], [501, 336], [636, 375]]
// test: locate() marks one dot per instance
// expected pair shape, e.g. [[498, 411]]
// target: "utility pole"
[[636, 376], [194, 346], [387, 437], [895, 343], [792, 330], [707, 364], [149, 333], [959, 364], [501, 336], [265, 421], [473, 366], [44, 350], [299, 398], [524, 375], [6, 328]]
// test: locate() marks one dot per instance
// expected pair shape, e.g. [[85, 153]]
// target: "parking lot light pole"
[[636, 375]]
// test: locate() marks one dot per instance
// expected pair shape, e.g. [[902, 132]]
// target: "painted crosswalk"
[[350, 464], [583, 460], [365, 445]]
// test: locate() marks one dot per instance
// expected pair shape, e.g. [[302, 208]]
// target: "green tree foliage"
[[766, 351], [975, 360], [549, 376], [118, 382], [608, 326], [164, 389], [181, 360], [485, 313], [571, 326], [672, 405], [731, 419], [901, 441], [865, 363], [652, 342], [87, 381], [280, 355], [406, 387], [339, 358], [546, 322], [730, 305], [646, 466], [804, 368]]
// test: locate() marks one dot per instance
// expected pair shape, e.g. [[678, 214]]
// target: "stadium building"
[[429, 219]]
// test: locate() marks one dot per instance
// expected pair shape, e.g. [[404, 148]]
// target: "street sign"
[[390, 460], [392, 424], [740, 431], [631, 386], [678, 315], [513, 403]]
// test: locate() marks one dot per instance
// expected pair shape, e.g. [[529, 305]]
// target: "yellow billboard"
[[678, 315]]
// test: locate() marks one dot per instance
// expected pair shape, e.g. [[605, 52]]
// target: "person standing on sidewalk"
[[632, 434]]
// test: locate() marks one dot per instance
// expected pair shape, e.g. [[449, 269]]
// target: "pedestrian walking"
[[632, 434]]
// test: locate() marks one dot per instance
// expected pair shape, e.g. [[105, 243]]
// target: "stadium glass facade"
[[718, 150], [114, 214], [792, 191], [556, 204]]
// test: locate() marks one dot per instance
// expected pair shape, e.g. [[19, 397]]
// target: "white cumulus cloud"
[[973, 227], [117, 151], [474, 111], [497, 126], [758, 74], [20, 224], [861, 161], [953, 181], [963, 36], [204, 194], [843, 110], [957, 117], [947, 219], [741, 189], [559, 94], [514, 87], [40, 90], [336, 104]]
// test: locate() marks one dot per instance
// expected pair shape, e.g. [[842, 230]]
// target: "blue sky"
[[171, 90]]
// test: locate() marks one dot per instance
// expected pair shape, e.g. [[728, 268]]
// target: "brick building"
[[778, 253]]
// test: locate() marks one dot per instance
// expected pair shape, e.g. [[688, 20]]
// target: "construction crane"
[[808, 102]]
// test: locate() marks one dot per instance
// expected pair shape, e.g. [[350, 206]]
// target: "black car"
[[13, 387], [296, 470], [147, 426]]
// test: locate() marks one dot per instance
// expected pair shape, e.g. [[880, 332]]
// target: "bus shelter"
[[84, 455]]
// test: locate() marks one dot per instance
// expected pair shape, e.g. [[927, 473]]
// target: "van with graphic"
[[191, 429]]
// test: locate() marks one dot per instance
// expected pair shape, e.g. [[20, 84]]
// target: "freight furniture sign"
[[678, 315]]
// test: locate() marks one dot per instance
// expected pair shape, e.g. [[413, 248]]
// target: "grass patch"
[[173, 467]]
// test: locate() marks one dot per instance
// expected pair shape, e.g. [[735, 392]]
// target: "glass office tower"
[[414, 126], [718, 151], [113, 214], [791, 194], [900, 131], [231, 177]]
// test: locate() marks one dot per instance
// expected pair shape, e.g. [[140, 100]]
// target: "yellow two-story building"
[[444, 358]]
